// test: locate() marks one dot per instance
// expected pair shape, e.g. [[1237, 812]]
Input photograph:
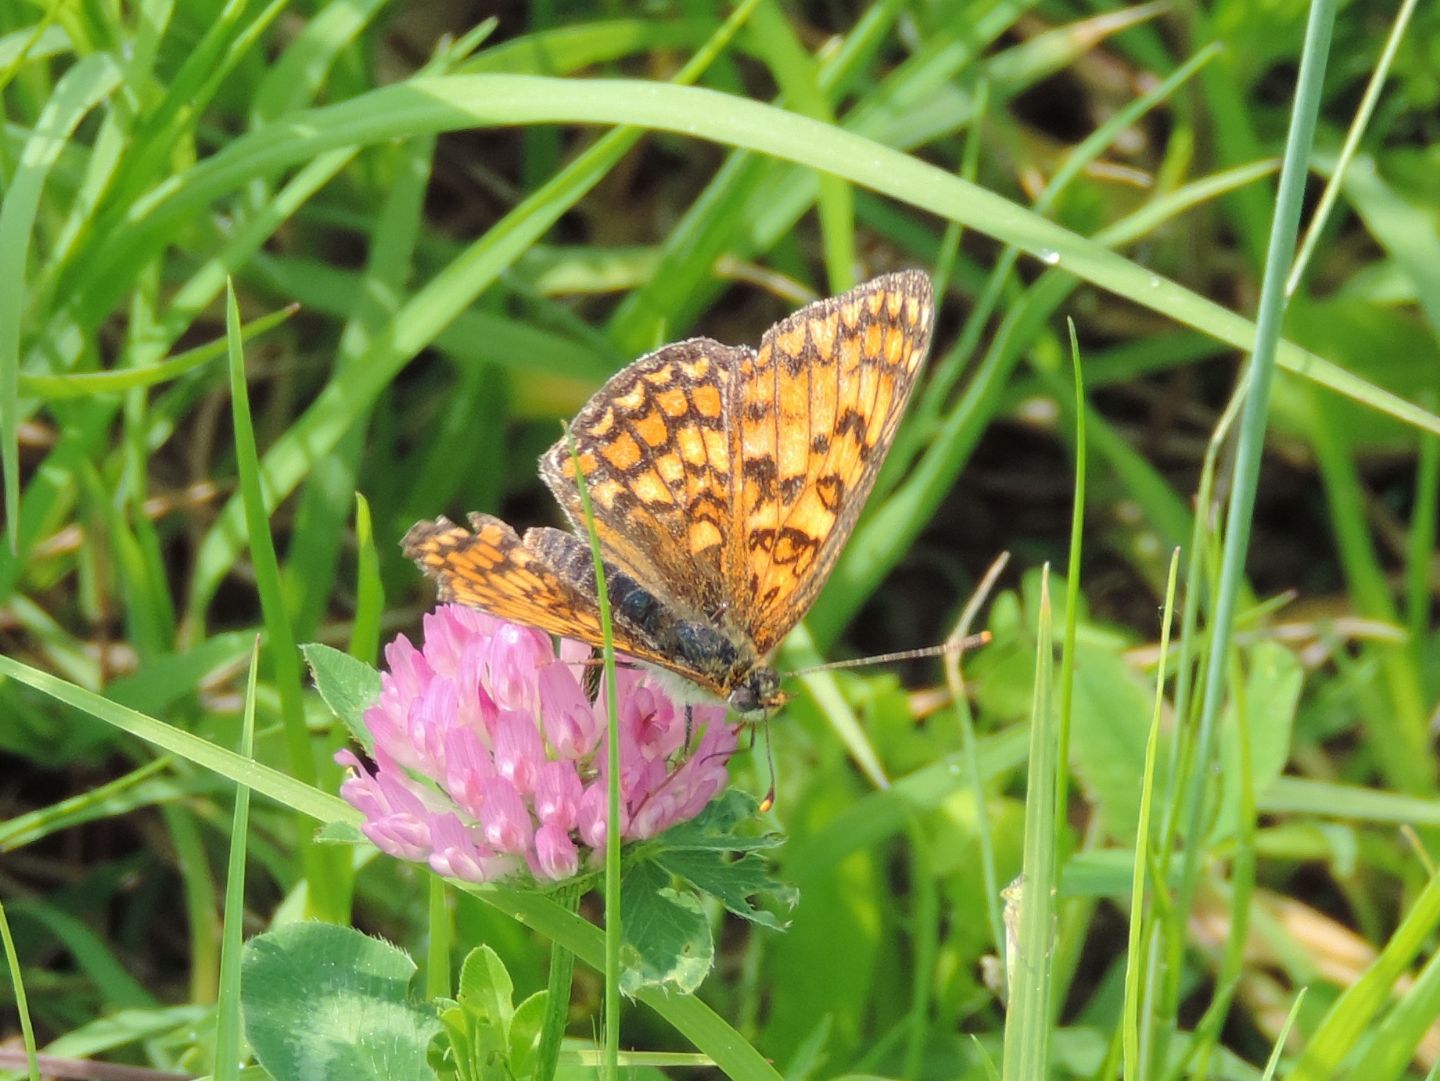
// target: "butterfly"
[[724, 482]]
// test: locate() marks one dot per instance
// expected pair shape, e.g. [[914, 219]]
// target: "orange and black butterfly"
[[724, 481]]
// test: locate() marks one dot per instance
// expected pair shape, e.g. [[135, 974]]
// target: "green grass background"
[[442, 234]]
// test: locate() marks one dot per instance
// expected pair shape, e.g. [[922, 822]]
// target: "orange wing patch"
[[816, 411], [653, 449], [489, 567]]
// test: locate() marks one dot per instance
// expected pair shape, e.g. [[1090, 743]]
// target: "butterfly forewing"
[[816, 410], [653, 446]]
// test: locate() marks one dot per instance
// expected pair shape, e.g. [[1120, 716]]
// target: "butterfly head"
[[759, 690]]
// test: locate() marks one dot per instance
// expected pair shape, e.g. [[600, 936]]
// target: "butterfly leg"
[[769, 800]]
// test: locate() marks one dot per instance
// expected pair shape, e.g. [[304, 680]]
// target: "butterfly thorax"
[[728, 664]]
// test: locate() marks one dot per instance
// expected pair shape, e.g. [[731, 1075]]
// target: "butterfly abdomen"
[[700, 646]]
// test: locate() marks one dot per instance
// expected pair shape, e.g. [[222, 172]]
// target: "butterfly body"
[[724, 482]]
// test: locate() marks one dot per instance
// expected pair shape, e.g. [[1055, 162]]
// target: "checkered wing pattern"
[[489, 566], [817, 408], [655, 450]]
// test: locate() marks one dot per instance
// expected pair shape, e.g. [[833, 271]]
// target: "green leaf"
[[731, 882], [525, 1033], [713, 828], [464, 1056], [1272, 692], [666, 939], [486, 987], [1110, 722], [479, 1025], [699, 851], [476, 1045], [349, 687], [325, 1002]]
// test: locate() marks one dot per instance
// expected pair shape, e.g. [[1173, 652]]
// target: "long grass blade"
[[1253, 418], [227, 1023]]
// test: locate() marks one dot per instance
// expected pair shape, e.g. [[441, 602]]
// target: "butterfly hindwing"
[[547, 580], [488, 566]]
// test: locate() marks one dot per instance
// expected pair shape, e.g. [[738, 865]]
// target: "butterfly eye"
[[760, 690], [743, 699]]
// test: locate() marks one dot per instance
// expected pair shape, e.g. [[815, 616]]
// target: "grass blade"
[[1254, 412], [79, 91], [1028, 962], [227, 1021]]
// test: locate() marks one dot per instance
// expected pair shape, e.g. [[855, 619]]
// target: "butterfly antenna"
[[945, 648], [957, 643]]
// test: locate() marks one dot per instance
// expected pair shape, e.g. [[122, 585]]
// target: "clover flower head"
[[489, 758]]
